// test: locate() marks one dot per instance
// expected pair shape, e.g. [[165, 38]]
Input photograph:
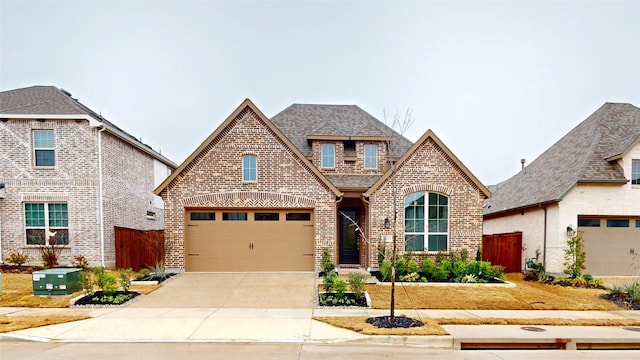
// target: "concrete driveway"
[[293, 290]]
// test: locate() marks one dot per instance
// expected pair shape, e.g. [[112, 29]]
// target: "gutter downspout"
[[100, 198]]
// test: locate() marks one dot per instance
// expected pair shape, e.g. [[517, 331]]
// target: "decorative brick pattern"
[[213, 179], [428, 169]]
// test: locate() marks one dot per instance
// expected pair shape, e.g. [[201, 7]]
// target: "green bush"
[[356, 283], [427, 268], [105, 281], [459, 270], [385, 270], [125, 279], [340, 286], [328, 282], [410, 277], [442, 270], [326, 261], [401, 267], [86, 280], [412, 266]]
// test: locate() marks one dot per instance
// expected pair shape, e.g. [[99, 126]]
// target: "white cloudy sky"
[[496, 81]]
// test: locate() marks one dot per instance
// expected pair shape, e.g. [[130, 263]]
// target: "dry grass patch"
[[14, 323], [539, 322], [17, 291], [359, 324], [525, 296]]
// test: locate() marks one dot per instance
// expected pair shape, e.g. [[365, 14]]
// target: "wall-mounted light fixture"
[[570, 231], [2, 190], [387, 223]]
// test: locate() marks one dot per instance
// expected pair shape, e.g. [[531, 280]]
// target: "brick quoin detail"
[[251, 199]]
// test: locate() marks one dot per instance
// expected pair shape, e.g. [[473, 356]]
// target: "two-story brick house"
[[265, 194], [64, 169]]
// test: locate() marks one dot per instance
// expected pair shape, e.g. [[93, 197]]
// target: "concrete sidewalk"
[[296, 325]]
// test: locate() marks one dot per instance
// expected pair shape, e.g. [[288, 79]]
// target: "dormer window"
[[371, 156], [328, 155], [635, 172]]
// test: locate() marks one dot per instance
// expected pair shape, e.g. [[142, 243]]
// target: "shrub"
[[340, 286], [328, 281], [633, 290], [125, 279], [105, 281], [385, 270], [427, 268], [574, 256], [80, 261], [326, 261], [356, 283], [410, 277], [17, 258], [86, 280], [617, 289], [442, 270], [458, 269], [469, 278], [412, 266], [401, 267]]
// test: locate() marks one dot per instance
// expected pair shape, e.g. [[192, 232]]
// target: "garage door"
[[612, 245], [249, 240]]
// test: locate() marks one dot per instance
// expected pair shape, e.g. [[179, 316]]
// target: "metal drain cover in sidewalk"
[[532, 328], [632, 328]]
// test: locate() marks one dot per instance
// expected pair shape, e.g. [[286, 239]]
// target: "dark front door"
[[349, 237]]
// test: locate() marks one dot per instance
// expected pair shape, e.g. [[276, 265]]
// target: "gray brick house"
[[264, 194], [64, 169]]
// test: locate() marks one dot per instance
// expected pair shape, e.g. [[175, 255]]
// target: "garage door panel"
[[610, 251], [250, 245]]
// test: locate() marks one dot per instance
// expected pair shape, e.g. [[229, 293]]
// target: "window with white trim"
[[635, 172], [44, 148], [371, 156], [46, 223], [328, 155], [249, 168], [426, 222]]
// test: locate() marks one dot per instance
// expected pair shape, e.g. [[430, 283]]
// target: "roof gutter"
[[520, 208]]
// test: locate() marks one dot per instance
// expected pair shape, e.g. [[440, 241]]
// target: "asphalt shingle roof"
[[580, 156], [353, 181], [298, 121]]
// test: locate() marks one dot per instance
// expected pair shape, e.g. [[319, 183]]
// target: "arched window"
[[426, 222], [249, 168]]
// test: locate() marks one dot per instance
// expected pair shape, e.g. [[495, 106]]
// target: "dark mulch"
[[159, 279], [15, 269], [398, 322], [96, 298], [622, 300], [378, 275], [361, 301]]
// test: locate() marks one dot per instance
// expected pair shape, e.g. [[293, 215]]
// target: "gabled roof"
[[429, 135], [301, 122], [49, 102], [245, 104], [584, 155]]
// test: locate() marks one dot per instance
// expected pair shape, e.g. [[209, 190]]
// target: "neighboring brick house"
[[589, 182], [265, 194], [65, 169]]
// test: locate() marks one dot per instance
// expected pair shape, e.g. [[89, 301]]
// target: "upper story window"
[[371, 156], [44, 148], [46, 224], [249, 168], [426, 222], [328, 155], [635, 172]]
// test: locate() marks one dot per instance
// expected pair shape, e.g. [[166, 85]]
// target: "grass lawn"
[[17, 291]]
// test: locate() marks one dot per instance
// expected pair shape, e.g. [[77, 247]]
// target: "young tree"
[[399, 125]]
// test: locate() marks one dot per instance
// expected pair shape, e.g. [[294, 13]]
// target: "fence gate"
[[137, 249], [503, 249]]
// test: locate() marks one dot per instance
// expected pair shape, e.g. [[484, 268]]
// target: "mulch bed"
[[15, 269], [361, 302], [95, 299], [378, 275], [622, 300], [398, 322]]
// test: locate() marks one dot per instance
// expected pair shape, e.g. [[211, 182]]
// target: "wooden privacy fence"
[[137, 249], [503, 249]]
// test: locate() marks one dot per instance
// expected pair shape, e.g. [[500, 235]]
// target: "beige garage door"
[[612, 245], [249, 240]]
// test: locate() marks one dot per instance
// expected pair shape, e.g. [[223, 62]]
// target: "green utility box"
[[58, 281]]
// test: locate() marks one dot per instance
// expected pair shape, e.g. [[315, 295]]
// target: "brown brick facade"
[[213, 179], [428, 169]]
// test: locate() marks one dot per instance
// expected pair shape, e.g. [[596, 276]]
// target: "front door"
[[349, 237]]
